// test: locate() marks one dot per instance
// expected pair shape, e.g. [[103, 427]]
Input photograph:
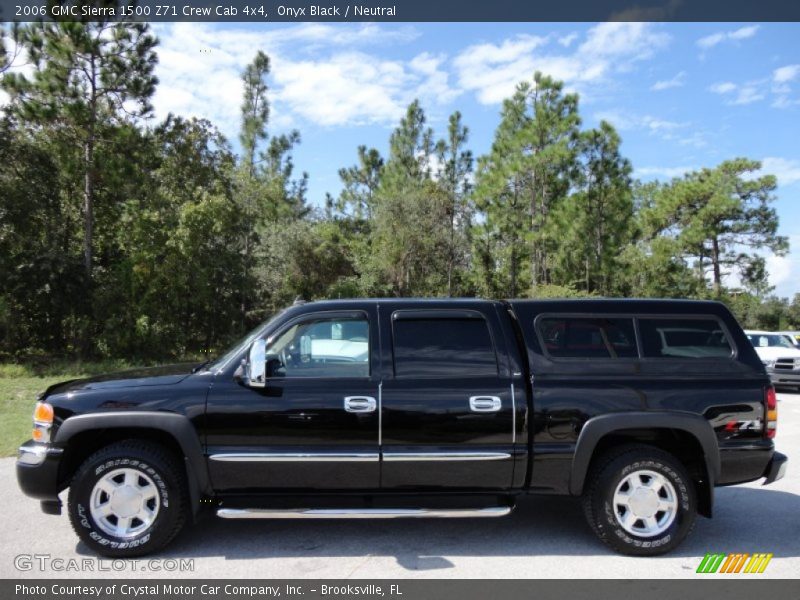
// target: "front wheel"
[[640, 501], [128, 499]]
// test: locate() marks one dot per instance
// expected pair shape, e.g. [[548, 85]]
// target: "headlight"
[[768, 363], [42, 422]]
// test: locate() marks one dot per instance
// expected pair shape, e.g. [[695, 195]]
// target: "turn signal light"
[[42, 422], [771, 401], [43, 413]]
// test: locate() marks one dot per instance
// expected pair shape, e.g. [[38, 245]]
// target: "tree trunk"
[[534, 241], [452, 250], [88, 203], [88, 174], [716, 265], [513, 267]]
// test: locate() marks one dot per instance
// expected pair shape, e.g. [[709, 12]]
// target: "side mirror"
[[257, 364]]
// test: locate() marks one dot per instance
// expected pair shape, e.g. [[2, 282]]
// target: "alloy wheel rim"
[[645, 503], [124, 502]]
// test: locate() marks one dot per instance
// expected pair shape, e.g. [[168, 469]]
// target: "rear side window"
[[445, 347], [684, 338], [586, 337]]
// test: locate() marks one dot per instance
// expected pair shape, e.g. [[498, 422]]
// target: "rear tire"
[[128, 499], [639, 500]]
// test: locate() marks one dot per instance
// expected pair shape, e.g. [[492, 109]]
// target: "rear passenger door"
[[447, 402]]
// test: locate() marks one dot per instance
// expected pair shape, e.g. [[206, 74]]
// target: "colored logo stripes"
[[734, 563]]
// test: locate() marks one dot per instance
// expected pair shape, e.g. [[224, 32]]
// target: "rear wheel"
[[640, 501], [128, 499]]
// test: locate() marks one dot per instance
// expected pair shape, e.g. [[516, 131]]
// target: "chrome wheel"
[[645, 503], [124, 502]]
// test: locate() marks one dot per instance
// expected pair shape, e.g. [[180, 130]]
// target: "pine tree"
[[530, 168], [595, 223], [409, 236], [719, 216], [86, 75], [455, 171], [255, 108], [360, 183]]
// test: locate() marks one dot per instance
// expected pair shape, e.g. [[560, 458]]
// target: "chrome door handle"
[[360, 404], [485, 403]]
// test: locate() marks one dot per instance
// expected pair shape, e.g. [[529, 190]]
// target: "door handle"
[[360, 404], [485, 403]]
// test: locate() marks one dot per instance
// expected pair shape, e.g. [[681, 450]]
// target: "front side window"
[[335, 347], [769, 340], [588, 337], [443, 347], [683, 338]]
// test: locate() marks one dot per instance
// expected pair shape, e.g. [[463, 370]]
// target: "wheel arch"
[[689, 437], [81, 435]]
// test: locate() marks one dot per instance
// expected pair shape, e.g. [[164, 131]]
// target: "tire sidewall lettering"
[[609, 520], [84, 516]]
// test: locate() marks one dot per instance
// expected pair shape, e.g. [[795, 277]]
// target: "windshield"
[[241, 344], [769, 340]]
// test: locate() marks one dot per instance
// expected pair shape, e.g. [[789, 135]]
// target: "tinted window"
[[683, 338], [584, 337], [321, 348], [769, 340], [443, 347]]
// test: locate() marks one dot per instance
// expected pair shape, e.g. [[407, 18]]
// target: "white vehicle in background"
[[779, 355]]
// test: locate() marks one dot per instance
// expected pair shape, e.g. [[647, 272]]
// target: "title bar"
[[282, 11]]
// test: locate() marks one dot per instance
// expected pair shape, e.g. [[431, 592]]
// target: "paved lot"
[[544, 537]]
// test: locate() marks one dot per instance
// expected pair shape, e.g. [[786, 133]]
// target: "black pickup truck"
[[419, 408]]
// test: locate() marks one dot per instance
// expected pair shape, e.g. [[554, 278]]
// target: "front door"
[[315, 424], [447, 404]]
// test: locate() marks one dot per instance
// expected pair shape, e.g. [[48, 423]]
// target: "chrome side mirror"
[[257, 364]]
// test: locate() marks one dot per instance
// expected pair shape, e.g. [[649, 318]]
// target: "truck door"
[[315, 424], [447, 402]]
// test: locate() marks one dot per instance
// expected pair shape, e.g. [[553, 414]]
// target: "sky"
[[682, 95]]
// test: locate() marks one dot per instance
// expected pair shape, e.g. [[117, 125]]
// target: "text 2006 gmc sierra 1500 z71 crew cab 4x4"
[[416, 408]]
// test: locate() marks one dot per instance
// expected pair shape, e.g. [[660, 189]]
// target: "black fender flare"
[[177, 426], [597, 427]]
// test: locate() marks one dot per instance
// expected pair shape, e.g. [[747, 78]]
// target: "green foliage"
[[597, 220], [17, 395], [188, 245], [360, 183], [255, 108], [88, 78], [524, 179], [559, 291], [718, 217], [454, 178], [793, 312]]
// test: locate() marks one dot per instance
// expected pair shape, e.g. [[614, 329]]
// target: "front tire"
[[640, 501], [128, 499]]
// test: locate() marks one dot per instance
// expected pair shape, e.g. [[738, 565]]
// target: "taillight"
[[771, 400]]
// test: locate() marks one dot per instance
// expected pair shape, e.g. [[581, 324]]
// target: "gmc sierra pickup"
[[419, 408]]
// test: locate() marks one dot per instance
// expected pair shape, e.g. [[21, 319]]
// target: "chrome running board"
[[361, 513]]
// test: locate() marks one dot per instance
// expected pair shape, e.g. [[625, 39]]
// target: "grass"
[[21, 383], [17, 395]]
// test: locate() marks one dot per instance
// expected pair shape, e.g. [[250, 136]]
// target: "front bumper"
[[776, 468], [37, 470], [784, 376]]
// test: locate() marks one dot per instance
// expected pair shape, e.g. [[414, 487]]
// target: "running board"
[[361, 513]]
